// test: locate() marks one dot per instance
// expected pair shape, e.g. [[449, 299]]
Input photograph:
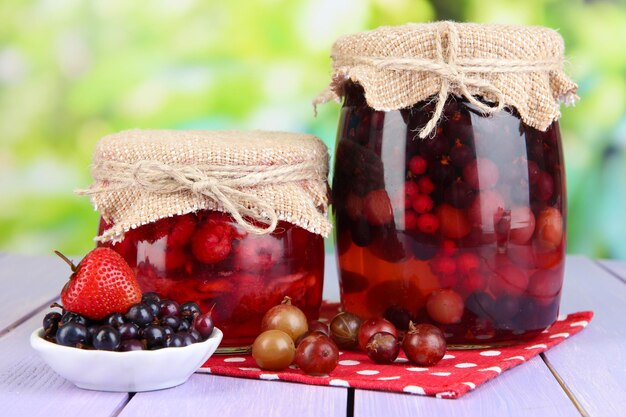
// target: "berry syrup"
[[464, 229], [207, 258]]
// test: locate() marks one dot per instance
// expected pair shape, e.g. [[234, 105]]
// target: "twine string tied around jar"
[[231, 187], [456, 74]]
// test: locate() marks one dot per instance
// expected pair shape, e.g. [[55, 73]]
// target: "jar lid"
[[258, 177], [399, 66]]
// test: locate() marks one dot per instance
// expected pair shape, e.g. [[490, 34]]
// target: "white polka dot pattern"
[[465, 365], [368, 372], [339, 383], [459, 372], [414, 389]]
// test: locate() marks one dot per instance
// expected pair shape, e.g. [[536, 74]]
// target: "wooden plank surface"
[[525, 391], [28, 283], [28, 387], [210, 395], [617, 268], [593, 364]]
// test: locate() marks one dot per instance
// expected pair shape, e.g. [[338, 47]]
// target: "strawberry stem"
[[66, 259]]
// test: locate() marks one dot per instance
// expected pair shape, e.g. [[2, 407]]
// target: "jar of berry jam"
[[448, 187], [233, 221]]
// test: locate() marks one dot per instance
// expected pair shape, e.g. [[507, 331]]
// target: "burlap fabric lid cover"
[[141, 176], [399, 66]]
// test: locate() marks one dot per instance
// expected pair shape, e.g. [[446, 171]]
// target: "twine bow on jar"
[[458, 73], [231, 187]]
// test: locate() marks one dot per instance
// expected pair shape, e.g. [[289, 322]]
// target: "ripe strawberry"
[[212, 242], [100, 285]]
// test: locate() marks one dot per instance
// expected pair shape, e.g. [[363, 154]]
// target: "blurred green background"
[[72, 71]]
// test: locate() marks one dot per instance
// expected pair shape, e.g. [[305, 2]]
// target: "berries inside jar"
[[206, 257], [474, 212]]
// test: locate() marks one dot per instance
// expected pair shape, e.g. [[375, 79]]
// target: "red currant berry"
[[474, 281], [428, 223], [425, 185], [424, 344], [418, 165], [443, 265], [467, 262], [448, 247], [422, 203], [411, 189], [410, 220]]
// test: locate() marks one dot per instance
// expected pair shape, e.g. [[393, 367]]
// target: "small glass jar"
[[464, 229], [231, 220], [206, 257]]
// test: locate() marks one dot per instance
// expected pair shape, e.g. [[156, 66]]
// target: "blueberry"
[[71, 334], [107, 338], [150, 296], [115, 320], [51, 323], [169, 308], [189, 310], [171, 321], [154, 336], [129, 331], [131, 344], [140, 314], [174, 341], [69, 317]]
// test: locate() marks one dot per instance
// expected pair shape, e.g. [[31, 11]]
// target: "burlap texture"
[[141, 176], [400, 66]]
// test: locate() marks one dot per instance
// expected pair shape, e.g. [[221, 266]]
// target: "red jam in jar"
[[464, 229], [208, 258]]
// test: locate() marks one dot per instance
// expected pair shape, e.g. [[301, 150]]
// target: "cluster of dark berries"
[[149, 325]]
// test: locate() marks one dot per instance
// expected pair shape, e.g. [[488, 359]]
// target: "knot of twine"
[[456, 73], [231, 187]]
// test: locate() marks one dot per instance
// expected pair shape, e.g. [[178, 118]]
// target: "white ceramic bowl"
[[134, 371]]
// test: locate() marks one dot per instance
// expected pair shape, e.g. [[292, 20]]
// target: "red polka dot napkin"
[[457, 373]]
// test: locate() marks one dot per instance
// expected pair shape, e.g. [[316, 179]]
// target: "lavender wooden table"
[[583, 376]]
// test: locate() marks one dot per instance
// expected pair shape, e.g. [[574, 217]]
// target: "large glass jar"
[[206, 257], [464, 229]]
